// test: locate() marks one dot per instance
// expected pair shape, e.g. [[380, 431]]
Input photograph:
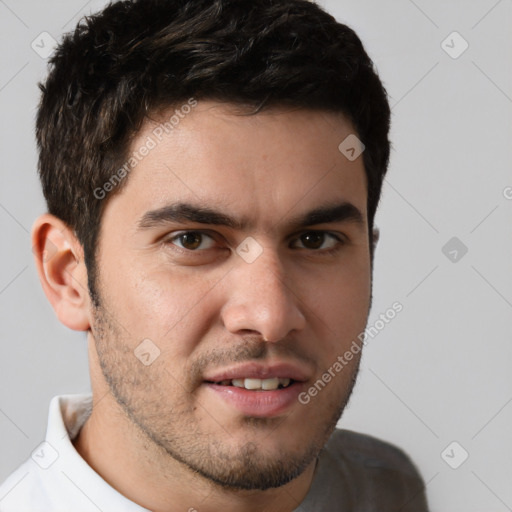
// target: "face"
[[235, 260]]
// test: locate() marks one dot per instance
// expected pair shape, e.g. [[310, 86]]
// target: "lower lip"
[[259, 403]]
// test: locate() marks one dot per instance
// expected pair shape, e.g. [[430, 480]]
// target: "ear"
[[62, 272], [375, 238]]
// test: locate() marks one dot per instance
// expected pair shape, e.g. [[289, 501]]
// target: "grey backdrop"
[[436, 380]]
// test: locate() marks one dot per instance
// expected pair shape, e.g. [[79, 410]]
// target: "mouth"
[[257, 389], [257, 398], [252, 384]]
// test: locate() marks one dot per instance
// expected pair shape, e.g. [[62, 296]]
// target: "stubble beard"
[[243, 467]]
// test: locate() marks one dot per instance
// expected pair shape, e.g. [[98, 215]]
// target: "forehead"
[[263, 166]]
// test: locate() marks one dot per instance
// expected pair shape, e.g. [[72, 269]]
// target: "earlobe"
[[62, 272]]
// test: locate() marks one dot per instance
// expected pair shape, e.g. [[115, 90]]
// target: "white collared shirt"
[[56, 478]]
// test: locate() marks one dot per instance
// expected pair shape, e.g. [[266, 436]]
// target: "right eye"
[[192, 240]]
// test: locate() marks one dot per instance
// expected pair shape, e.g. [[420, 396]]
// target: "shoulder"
[[380, 471], [362, 449], [22, 491]]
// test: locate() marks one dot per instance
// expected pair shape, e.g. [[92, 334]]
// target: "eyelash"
[[341, 242]]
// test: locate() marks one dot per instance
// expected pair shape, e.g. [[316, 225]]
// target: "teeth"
[[265, 384], [269, 383], [253, 383], [285, 382]]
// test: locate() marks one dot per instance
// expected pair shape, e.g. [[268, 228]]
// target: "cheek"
[[340, 302], [170, 307]]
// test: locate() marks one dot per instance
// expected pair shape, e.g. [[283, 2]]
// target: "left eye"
[[193, 240], [316, 239]]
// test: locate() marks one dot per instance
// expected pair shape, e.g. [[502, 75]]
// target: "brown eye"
[[315, 240], [193, 240]]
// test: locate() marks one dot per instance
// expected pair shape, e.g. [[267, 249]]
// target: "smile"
[[269, 384]]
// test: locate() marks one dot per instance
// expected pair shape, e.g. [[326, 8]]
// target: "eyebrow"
[[187, 212]]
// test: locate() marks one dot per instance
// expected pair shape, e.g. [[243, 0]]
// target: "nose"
[[260, 301]]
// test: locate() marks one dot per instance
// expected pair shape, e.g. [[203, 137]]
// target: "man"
[[212, 170]]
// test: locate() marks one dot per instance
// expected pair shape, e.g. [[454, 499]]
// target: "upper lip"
[[260, 371]]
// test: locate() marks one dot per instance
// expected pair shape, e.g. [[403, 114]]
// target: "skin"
[[180, 446]]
